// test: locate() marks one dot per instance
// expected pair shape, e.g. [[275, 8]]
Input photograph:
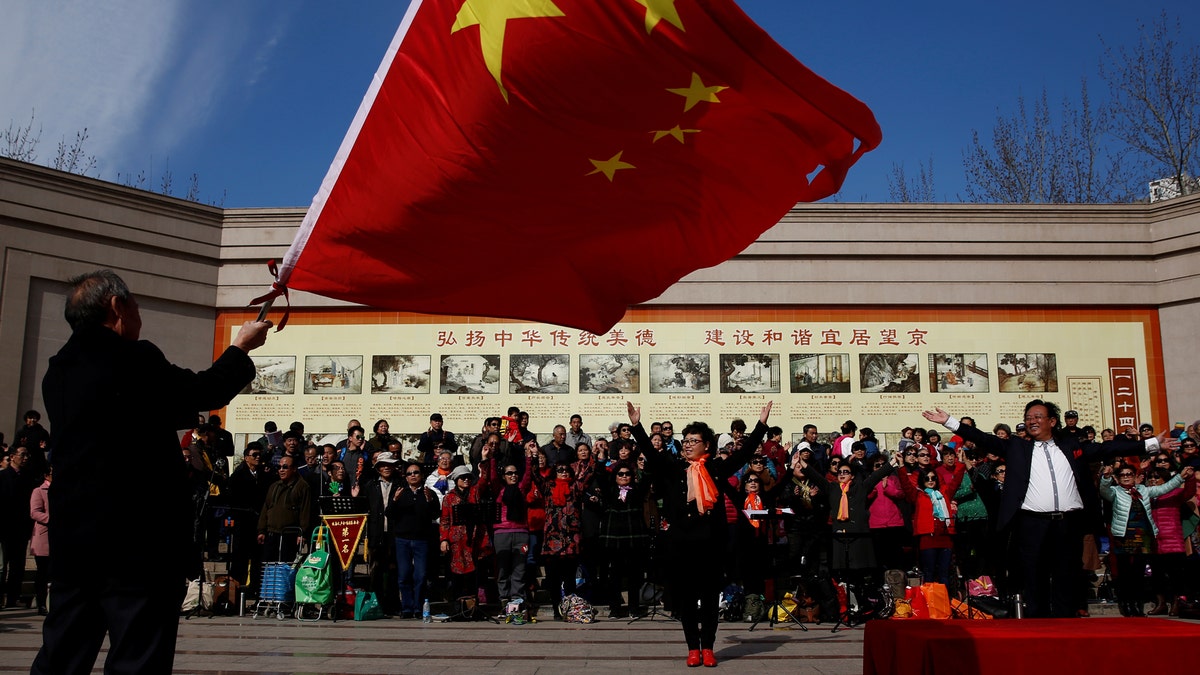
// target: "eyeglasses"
[[1125, 474], [624, 474], [510, 473], [756, 461], [692, 441], [843, 473]]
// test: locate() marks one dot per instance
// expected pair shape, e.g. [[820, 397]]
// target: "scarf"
[[939, 505], [844, 504], [560, 492], [700, 485], [753, 503], [623, 492]]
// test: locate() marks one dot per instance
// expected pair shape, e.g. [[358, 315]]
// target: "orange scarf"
[[700, 485], [844, 505], [753, 503]]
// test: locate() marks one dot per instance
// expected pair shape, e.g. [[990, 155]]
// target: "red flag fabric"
[[560, 160]]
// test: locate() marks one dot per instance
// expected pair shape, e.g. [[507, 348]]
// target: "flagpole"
[[262, 313]]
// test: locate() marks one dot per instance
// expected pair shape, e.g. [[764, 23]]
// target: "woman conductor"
[[696, 529]]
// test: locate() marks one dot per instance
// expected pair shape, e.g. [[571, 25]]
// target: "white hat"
[[387, 458]]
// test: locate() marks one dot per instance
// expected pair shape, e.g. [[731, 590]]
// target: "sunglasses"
[[922, 454], [564, 469], [623, 473], [255, 454], [1125, 474], [510, 473]]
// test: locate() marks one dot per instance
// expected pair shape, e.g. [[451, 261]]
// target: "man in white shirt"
[[1048, 499]]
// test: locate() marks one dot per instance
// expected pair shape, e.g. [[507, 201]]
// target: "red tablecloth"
[[1017, 647]]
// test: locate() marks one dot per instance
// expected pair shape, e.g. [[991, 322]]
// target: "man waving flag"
[[660, 136]]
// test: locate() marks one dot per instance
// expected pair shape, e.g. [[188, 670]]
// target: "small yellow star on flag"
[[660, 10], [697, 92], [610, 167], [492, 18], [674, 132]]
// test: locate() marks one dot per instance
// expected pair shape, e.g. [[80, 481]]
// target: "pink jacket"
[[1166, 516], [884, 509], [39, 510]]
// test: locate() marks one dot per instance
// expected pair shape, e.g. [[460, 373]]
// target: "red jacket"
[[923, 520]]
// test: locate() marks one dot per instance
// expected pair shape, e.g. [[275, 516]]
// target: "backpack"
[[575, 609], [225, 595], [755, 608]]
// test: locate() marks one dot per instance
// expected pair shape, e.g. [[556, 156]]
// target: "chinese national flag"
[[560, 160]]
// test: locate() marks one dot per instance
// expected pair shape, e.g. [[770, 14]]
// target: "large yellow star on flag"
[[492, 18], [609, 167], [697, 92], [660, 10]]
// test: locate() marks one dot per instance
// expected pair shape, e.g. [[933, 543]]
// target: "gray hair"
[[89, 297]]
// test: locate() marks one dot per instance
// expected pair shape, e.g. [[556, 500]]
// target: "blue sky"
[[255, 97]]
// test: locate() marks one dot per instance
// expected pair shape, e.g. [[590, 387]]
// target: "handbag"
[[937, 599], [366, 607], [982, 586]]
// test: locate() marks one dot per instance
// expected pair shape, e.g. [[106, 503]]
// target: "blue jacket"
[[1122, 500]]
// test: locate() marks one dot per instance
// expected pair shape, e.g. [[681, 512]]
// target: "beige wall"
[[189, 260], [54, 226]]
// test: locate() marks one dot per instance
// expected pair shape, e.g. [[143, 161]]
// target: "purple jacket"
[[884, 509], [1166, 516], [39, 510]]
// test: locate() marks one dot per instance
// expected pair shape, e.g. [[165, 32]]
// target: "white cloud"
[[140, 75], [85, 64]]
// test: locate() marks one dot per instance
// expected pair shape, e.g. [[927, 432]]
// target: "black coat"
[[687, 525], [862, 484], [120, 503], [1018, 457], [15, 491]]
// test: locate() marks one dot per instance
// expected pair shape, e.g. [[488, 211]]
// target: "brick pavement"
[[267, 645]]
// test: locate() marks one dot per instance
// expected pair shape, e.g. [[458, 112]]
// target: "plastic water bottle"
[[425, 612]]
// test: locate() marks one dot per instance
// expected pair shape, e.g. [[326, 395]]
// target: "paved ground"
[[267, 645]]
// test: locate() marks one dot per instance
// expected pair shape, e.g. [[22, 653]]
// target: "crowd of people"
[[507, 513]]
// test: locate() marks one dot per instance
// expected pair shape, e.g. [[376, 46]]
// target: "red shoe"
[[693, 659], [710, 659]]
